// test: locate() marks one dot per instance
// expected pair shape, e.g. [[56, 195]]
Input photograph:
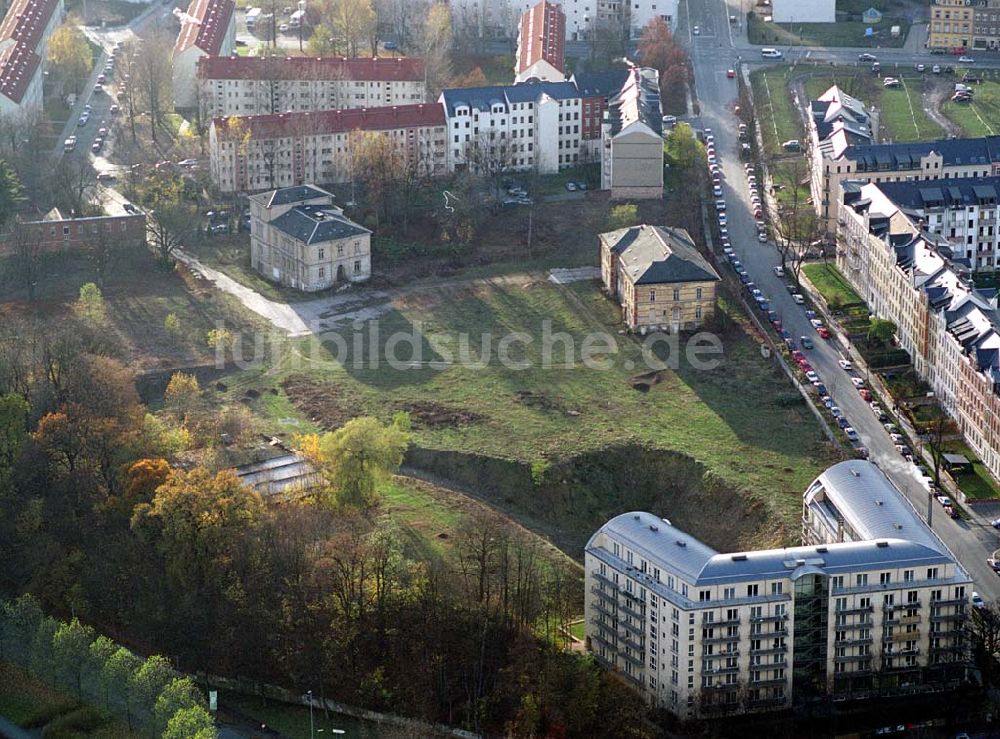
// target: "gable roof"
[[205, 25], [656, 255], [984, 150], [604, 84], [18, 67], [333, 121], [638, 101], [375, 69], [26, 20], [542, 37]]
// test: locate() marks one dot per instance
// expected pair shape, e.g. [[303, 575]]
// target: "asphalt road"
[[713, 51]]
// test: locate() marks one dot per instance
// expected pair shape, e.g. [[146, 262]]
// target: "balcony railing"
[[768, 682], [718, 639], [631, 658], [950, 602], [850, 611], [607, 580], [770, 650], [629, 626], [772, 617], [631, 611], [720, 670], [634, 645], [960, 616], [852, 642]]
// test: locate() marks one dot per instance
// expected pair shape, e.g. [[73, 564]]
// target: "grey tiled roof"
[[657, 254], [907, 155], [592, 84], [286, 195], [483, 97], [315, 224]]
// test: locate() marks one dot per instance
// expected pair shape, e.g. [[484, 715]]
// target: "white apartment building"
[[533, 125], [208, 28], [252, 85], [500, 17], [264, 152], [300, 239], [703, 633], [943, 159], [962, 211], [632, 139], [950, 329], [24, 39]]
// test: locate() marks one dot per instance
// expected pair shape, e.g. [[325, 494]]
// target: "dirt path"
[[351, 304], [934, 94]]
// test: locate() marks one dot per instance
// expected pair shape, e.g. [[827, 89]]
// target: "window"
[[357, 266], [322, 253], [885, 578], [729, 593], [322, 273], [652, 296], [697, 293], [776, 588], [677, 294], [861, 580], [752, 591], [704, 595]]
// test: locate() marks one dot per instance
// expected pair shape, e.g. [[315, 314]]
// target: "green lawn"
[[981, 117], [779, 120], [832, 285], [763, 445], [975, 484], [842, 33], [902, 115], [293, 721]]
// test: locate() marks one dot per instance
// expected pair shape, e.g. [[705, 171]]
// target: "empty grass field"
[[777, 117], [740, 420], [841, 33], [981, 117], [832, 285]]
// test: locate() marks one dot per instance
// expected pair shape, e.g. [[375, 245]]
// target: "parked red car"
[[865, 394], [824, 332]]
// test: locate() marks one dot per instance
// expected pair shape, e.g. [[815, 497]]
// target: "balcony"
[[723, 622], [852, 611], [721, 671], [960, 616], [950, 602], [773, 617], [852, 642], [720, 655], [770, 650], [607, 597], [610, 644], [629, 626], [631, 659], [606, 580], [768, 683], [631, 612], [605, 611], [852, 658], [718, 639], [634, 645]]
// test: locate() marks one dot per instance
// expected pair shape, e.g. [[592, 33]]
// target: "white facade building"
[[703, 633], [300, 239], [208, 28], [533, 125], [500, 17], [950, 328], [250, 85]]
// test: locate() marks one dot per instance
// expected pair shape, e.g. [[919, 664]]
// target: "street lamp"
[[312, 726]]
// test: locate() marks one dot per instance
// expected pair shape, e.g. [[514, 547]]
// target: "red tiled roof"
[[26, 20], [18, 66], [204, 25], [335, 121], [401, 69], [542, 36]]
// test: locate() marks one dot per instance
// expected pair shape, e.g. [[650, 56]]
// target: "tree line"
[[100, 523], [148, 694]]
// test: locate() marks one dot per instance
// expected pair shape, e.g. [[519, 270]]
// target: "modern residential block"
[[300, 239], [949, 327], [252, 153], [703, 633], [251, 85], [658, 276]]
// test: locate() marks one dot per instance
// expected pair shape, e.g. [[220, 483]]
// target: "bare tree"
[[25, 246], [491, 154], [436, 49], [796, 224], [72, 184], [151, 77], [127, 69], [105, 250]]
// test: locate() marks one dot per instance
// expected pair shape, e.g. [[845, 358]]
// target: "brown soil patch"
[[428, 415], [646, 380], [317, 402], [539, 400]]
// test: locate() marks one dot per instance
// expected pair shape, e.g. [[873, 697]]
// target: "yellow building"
[[658, 277], [951, 24]]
